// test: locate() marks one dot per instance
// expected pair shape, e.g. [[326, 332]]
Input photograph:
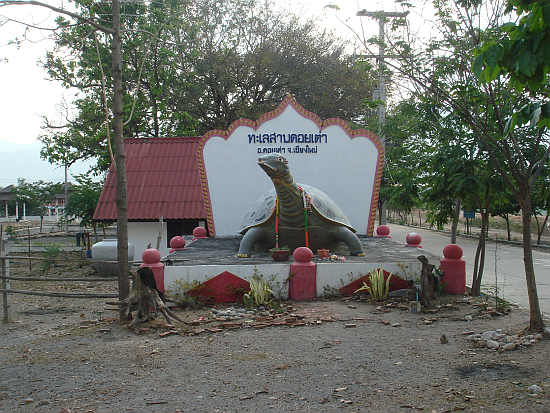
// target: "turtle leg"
[[252, 236], [350, 239]]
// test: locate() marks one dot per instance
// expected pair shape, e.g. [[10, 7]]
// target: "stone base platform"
[[214, 260]]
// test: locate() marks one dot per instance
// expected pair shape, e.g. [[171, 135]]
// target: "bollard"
[[151, 259], [454, 270], [383, 231], [303, 276], [413, 240]]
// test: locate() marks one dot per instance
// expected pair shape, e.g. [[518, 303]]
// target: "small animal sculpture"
[[292, 214]]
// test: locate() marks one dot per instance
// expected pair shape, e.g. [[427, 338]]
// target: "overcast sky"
[[26, 94]]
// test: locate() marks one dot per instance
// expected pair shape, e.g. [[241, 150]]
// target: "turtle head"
[[275, 166]]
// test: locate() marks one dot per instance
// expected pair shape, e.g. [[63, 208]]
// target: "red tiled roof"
[[163, 179]]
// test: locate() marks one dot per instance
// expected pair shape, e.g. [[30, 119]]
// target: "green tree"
[[456, 172], [37, 196], [521, 51], [83, 200], [503, 206], [90, 23], [541, 202], [195, 66], [400, 188], [441, 70]]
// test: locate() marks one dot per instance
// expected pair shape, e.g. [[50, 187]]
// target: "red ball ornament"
[[199, 232], [151, 256], [302, 254], [413, 239], [382, 231], [452, 251], [177, 242]]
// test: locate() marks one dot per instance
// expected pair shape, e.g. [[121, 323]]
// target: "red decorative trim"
[[205, 188], [376, 190], [396, 283], [223, 288], [290, 100]]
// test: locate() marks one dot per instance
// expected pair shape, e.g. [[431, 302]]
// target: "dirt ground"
[[323, 356]]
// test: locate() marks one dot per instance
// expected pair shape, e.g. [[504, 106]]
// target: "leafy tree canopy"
[[193, 66], [521, 50], [36, 195], [83, 199]]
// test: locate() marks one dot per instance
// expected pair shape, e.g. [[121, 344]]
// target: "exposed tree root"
[[146, 300]]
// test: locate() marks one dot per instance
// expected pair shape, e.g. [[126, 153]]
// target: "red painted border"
[[396, 283], [322, 124]]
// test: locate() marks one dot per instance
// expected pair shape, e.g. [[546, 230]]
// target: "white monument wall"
[[142, 233], [325, 154]]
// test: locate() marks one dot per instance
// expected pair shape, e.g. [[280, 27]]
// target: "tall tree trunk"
[[155, 93], [120, 162], [507, 218], [536, 322], [479, 263], [454, 225]]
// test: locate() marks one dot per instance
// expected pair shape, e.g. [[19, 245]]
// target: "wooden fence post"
[[29, 244], [4, 272]]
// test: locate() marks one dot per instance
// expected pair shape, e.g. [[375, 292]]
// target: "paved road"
[[508, 259]]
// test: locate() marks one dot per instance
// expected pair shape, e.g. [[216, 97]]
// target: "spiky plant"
[[377, 287]]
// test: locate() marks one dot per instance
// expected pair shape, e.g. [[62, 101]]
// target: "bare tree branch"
[[58, 10], [106, 106], [52, 29], [137, 87]]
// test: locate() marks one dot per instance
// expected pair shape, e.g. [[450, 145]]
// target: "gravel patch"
[[319, 356]]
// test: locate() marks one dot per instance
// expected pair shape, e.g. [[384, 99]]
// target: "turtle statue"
[[294, 215]]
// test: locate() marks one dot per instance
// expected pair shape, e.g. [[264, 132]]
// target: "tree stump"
[[146, 300], [428, 284]]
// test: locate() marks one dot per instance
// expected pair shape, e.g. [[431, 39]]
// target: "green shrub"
[[50, 254], [179, 294], [10, 231]]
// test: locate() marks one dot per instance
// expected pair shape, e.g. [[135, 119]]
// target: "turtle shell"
[[264, 209]]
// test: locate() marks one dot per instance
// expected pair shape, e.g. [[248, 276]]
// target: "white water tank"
[[106, 250]]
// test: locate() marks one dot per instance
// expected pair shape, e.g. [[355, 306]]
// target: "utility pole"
[[381, 16]]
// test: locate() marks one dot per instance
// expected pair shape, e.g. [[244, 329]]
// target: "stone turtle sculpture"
[[301, 213]]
